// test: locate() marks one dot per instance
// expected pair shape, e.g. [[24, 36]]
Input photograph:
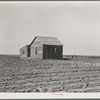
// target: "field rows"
[[75, 75]]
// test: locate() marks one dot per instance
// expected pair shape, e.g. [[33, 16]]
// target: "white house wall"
[[34, 45]]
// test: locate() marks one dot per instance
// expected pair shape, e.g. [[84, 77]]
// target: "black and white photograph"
[[50, 47]]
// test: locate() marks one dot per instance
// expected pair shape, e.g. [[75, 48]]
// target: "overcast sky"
[[75, 24]]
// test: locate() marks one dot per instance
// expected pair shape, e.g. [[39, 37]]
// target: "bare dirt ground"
[[80, 74]]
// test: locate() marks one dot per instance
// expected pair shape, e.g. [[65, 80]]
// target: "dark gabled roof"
[[48, 40]]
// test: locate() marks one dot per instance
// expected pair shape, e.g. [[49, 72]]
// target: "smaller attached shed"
[[44, 48], [25, 51]]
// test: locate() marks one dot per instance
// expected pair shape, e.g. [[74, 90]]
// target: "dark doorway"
[[28, 52], [50, 52]]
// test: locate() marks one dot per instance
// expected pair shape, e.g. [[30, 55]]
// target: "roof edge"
[[46, 36], [55, 45], [33, 41]]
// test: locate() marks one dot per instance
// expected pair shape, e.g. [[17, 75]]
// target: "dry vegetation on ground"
[[81, 74]]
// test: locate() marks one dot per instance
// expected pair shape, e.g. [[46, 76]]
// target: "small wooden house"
[[44, 48]]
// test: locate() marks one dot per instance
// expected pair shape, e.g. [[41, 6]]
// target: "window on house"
[[55, 50], [23, 52], [35, 50]]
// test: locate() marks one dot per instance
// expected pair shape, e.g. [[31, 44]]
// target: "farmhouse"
[[44, 48]]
